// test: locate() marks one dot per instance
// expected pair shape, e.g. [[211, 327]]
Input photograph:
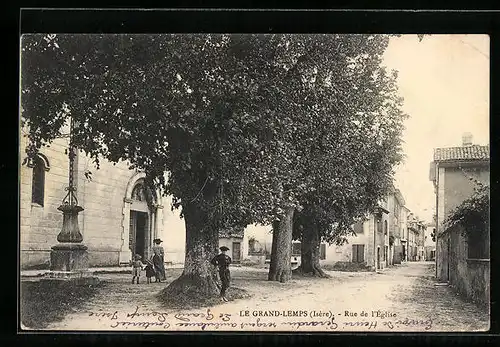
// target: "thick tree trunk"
[[280, 268], [310, 253], [199, 278]]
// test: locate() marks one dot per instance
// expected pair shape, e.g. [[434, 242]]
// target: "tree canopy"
[[244, 124]]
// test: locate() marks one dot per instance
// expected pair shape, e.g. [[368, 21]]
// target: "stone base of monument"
[[80, 277], [69, 257], [69, 262]]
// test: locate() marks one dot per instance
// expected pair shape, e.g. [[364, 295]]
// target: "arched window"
[[40, 165], [138, 192], [385, 227], [143, 193]]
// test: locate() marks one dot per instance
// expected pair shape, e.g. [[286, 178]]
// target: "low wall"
[[255, 259], [470, 277]]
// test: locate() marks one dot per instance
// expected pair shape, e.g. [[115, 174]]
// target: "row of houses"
[[121, 217], [391, 235], [462, 259]]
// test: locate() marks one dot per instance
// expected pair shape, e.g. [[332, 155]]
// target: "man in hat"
[[222, 261]]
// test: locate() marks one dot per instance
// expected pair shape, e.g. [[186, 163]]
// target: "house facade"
[[370, 245], [233, 239], [462, 261], [416, 236], [404, 233], [396, 203]]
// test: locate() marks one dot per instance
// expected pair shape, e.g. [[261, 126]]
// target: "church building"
[[121, 217]]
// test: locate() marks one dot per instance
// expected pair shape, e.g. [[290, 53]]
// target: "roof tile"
[[474, 152], [235, 232]]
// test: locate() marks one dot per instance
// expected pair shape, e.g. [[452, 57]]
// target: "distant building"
[[380, 241], [396, 203], [233, 239], [462, 261], [369, 247], [429, 244], [416, 236], [404, 232]]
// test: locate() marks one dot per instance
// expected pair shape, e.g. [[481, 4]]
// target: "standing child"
[[136, 268], [150, 270]]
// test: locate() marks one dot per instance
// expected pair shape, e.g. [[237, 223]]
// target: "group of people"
[[154, 267]]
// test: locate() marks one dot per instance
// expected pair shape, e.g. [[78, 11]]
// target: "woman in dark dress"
[[158, 260]]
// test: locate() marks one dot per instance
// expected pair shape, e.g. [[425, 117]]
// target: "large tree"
[[341, 139], [162, 103], [200, 107], [354, 169], [232, 119]]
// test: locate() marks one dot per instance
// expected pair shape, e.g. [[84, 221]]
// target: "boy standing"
[[222, 261], [136, 268]]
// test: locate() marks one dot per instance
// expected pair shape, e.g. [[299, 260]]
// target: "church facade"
[[121, 216]]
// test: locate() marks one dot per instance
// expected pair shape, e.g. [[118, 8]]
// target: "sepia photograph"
[[254, 182]]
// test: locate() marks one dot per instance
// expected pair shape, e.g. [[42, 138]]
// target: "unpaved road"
[[401, 298]]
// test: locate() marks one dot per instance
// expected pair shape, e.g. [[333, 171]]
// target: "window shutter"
[[361, 253], [354, 253]]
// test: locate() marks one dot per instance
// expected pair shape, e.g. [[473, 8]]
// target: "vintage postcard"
[[254, 182]]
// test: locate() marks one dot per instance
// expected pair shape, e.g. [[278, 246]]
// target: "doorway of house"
[[236, 252], [378, 258], [138, 232]]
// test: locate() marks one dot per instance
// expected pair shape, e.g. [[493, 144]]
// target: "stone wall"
[[470, 277], [442, 257], [39, 225], [102, 198]]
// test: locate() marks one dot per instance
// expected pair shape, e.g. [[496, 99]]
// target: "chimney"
[[467, 139]]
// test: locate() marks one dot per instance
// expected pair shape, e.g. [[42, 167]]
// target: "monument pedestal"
[[69, 262], [69, 257]]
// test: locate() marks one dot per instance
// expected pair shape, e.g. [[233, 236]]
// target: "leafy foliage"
[[352, 161], [245, 125], [473, 213]]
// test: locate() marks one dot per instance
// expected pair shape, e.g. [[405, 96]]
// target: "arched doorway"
[[142, 218], [140, 214]]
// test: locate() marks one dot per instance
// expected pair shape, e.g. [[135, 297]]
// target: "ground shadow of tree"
[[44, 302]]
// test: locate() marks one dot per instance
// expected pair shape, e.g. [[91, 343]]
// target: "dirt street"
[[401, 298]]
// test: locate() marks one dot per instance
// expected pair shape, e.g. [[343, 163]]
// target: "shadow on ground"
[[44, 302]]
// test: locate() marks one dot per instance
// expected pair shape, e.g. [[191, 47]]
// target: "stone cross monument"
[[69, 258]]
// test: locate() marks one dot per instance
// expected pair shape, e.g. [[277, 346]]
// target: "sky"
[[444, 80]]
